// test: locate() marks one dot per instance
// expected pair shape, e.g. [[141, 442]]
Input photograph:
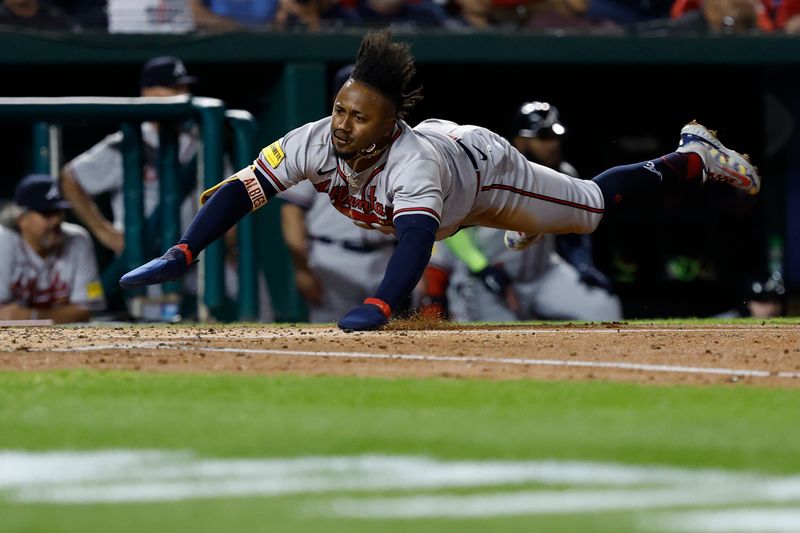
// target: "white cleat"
[[719, 163], [518, 240]]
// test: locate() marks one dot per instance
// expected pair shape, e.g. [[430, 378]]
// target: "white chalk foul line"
[[167, 345], [421, 486]]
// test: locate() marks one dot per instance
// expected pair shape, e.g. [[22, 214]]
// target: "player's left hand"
[[364, 317]]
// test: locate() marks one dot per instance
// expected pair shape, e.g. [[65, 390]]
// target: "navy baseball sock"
[[620, 182], [221, 212]]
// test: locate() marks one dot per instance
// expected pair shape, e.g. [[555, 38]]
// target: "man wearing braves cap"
[[165, 76], [99, 170], [47, 266]]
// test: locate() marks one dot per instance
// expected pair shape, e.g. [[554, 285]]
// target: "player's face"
[[42, 230], [362, 117], [545, 151]]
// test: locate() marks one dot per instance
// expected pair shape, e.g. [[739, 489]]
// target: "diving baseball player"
[[425, 183]]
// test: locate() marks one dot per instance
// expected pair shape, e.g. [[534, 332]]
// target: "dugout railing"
[[49, 115]]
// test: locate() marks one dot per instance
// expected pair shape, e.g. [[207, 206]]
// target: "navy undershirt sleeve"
[[221, 212], [416, 235]]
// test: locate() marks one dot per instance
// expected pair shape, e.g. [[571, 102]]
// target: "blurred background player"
[[99, 172], [336, 263], [554, 279], [48, 268]]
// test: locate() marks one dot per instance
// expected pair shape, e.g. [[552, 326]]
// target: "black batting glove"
[[495, 279], [592, 277]]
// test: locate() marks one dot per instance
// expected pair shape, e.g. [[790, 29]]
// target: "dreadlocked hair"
[[388, 67]]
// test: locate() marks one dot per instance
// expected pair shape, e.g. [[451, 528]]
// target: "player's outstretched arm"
[[415, 235], [224, 206]]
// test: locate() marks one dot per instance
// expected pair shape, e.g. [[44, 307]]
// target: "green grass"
[[287, 416]]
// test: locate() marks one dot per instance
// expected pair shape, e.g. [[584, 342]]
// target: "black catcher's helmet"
[[538, 120]]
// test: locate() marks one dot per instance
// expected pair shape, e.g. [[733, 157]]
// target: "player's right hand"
[[170, 266], [364, 317]]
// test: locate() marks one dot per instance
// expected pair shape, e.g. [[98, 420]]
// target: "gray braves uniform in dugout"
[[69, 276]]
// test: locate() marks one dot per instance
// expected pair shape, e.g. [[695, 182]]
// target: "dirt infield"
[[767, 355]]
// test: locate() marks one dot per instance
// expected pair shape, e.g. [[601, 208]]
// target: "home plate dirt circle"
[[764, 355]]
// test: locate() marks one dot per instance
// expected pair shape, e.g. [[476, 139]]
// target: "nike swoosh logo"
[[483, 156], [321, 172]]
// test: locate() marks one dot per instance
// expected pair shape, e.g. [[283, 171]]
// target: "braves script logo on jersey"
[[26, 290], [367, 209]]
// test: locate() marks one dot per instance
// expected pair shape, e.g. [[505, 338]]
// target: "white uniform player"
[[348, 261], [545, 286], [38, 282], [99, 170], [48, 268]]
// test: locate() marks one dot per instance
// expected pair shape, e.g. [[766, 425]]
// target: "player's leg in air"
[[700, 155]]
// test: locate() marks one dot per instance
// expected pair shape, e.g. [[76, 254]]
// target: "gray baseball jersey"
[[67, 277], [458, 175]]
